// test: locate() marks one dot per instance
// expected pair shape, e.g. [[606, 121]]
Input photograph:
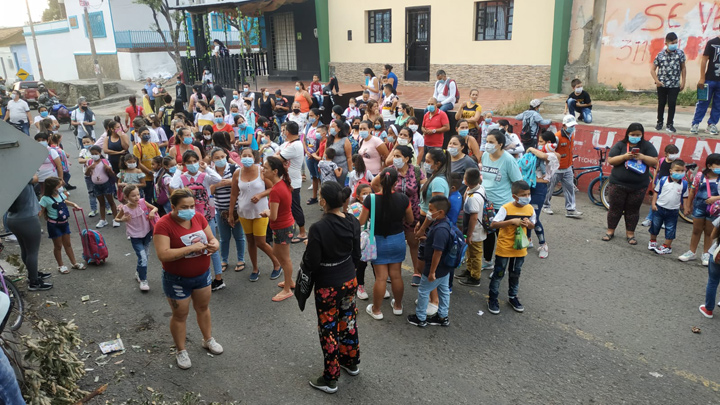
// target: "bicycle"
[[17, 305], [597, 188]]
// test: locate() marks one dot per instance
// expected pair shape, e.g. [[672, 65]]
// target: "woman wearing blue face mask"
[[183, 240], [471, 112], [245, 135], [43, 113], [221, 193], [631, 159], [183, 143], [338, 140], [470, 143], [198, 178]]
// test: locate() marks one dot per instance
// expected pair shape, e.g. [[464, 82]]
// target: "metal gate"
[[417, 44], [282, 29]]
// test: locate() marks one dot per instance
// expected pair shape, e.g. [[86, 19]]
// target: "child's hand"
[[712, 200], [654, 207], [152, 215], [203, 165], [515, 222], [431, 276], [526, 222]]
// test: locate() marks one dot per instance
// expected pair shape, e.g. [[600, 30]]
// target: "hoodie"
[[333, 250]]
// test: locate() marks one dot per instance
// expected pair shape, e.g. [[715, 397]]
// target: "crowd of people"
[[191, 181]]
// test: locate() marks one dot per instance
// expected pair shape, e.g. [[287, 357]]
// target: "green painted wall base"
[[561, 37]]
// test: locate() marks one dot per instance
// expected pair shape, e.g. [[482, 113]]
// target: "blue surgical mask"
[[431, 108], [570, 130], [187, 214], [677, 176], [391, 139], [488, 120], [193, 167], [242, 125], [247, 161], [441, 81], [311, 120], [363, 134], [297, 88], [235, 96], [187, 140], [398, 163], [523, 201], [221, 163], [218, 120], [453, 151], [463, 132], [378, 126], [634, 139], [43, 143], [234, 114], [427, 167], [333, 131], [44, 114], [264, 141], [716, 170], [86, 146], [172, 170], [672, 47]]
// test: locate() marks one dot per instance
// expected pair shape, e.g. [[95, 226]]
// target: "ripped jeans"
[[140, 246]]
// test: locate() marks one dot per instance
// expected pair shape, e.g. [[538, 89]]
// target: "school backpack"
[[168, 113], [665, 179], [526, 135], [354, 145], [202, 200], [95, 250], [488, 213], [456, 253]]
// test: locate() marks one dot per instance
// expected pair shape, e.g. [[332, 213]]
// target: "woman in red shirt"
[[282, 223], [219, 123], [132, 111], [184, 243]]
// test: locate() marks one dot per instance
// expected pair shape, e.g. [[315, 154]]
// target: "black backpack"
[[526, 135]]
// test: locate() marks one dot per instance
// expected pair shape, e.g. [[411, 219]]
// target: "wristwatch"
[[434, 131]]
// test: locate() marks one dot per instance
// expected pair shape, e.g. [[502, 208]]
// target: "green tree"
[[247, 26], [173, 19], [54, 11]]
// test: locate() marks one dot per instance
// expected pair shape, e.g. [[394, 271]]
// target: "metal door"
[[283, 37], [417, 44]]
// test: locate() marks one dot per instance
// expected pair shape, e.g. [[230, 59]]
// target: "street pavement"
[[604, 322]]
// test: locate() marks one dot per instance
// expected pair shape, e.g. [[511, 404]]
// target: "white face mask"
[[403, 141], [490, 148], [673, 156], [95, 157], [429, 216], [578, 90], [132, 165], [413, 128]]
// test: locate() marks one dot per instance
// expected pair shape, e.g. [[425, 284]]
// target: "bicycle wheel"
[[558, 189], [603, 193], [686, 218], [16, 306], [594, 190]]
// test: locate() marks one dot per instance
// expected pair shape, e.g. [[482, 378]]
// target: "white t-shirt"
[[18, 111], [474, 204], [671, 195], [79, 116], [300, 119], [418, 142], [48, 168], [294, 152]]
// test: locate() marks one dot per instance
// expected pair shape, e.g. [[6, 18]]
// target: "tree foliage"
[[54, 11]]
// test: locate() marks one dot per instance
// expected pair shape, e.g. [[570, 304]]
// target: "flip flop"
[[239, 266], [282, 297], [224, 267], [608, 237], [282, 285], [298, 239], [632, 241]]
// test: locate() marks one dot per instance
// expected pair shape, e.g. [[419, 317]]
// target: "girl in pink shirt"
[[139, 217]]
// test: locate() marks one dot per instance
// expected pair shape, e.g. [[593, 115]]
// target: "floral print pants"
[[337, 327]]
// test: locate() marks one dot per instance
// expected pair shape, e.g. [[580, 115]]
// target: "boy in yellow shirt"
[[509, 217]]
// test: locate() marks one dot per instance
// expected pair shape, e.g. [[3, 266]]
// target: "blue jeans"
[[281, 119], [667, 217], [424, 295], [9, 390], [91, 193], [712, 284], [215, 257], [537, 198], [702, 105], [140, 246], [585, 112], [236, 233], [501, 263]]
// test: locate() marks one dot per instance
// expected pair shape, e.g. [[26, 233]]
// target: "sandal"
[[298, 239], [282, 297], [282, 285], [240, 266], [312, 201], [224, 267], [79, 266], [631, 240], [608, 237]]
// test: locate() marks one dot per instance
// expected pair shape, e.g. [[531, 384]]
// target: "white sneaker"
[[361, 294], [712, 129], [543, 251], [115, 223], [687, 256], [646, 222], [431, 309], [144, 286], [694, 129], [369, 310], [652, 245], [705, 258], [183, 360], [548, 210], [387, 294], [311, 187], [487, 265], [102, 224], [212, 346], [63, 269], [92, 213], [395, 311], [11, 238], [573, 214], [530, 245]]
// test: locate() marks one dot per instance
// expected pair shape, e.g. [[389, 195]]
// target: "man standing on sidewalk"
[[149, 87], [564, 174], [668, 71], [710, 76]]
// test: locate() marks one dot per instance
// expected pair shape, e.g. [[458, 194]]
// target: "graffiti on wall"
[[634, 32]]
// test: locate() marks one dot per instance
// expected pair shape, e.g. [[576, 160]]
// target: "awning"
[[247, 7]]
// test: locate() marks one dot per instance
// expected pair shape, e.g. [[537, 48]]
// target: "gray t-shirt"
[[461, 165], [25, 205]]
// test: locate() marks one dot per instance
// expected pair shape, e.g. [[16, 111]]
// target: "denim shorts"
[[283, 236], [390, 249], [180, 288], [103, 189], [56, 230], [700, 210], [312, 166]]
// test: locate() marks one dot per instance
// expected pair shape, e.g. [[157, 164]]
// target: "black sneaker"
[[71, 188], [670, 128], [435, 320], [659, 126], [470, 281], [218, 284], [41, 286], [414, 320], [463, 274], [515, 304], [44, 276], [493, 307], [324, 385]]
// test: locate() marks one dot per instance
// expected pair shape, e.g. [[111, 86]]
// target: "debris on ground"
[[112, 346], [656, 375], [85, 298], [695, 329]]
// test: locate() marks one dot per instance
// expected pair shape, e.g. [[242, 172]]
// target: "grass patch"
[[519, 104], [599, 92]]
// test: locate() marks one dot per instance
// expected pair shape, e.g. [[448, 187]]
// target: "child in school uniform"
[[473, 209], [670, 193]]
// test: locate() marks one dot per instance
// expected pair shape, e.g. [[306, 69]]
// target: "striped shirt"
[[222, 194]]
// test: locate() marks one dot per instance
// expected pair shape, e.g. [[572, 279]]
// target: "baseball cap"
[[535, 102], [569, 121]]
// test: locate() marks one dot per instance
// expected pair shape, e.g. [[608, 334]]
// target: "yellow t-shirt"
[[506, 235], [469, 112], [145, 154]]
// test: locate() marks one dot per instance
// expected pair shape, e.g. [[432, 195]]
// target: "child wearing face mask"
[[511, 216], [130, 174], [352, 111], [83, 158], [329, 170], [359, 174], [417, 139], [54, 205], [139, 216], [102, 176], [670, 192], [671, 154], [268, 147], [485, 128]]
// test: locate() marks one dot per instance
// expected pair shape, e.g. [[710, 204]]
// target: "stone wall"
[[69, 92], [108, 63], [522, 77]]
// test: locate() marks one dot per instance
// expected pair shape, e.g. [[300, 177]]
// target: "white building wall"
[[7, 66], [127, 15], [58, 61]]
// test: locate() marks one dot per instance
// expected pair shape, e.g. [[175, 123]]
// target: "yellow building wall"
[[452, 32]]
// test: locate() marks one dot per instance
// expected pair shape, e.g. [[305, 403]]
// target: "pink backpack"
[[95, 250], [202, 200]]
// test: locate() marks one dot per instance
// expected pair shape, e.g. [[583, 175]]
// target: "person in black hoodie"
[[331, 256]]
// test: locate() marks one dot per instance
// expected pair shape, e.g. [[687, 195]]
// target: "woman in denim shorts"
[[184, 243]]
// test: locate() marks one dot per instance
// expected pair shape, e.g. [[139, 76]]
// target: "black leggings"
[[360, 272], [489, 246], [297, 211], [27, 231]]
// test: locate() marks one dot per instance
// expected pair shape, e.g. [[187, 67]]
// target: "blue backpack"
[[684, 183], [456, 252]]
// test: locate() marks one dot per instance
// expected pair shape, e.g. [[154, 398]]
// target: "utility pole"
[[96, 63], [37, 52]]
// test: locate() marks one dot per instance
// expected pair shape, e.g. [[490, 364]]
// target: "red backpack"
[[202, 200], [447, 89]]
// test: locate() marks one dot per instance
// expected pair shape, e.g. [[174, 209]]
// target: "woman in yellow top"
[[471, 111], [146, 102], [145, 151]]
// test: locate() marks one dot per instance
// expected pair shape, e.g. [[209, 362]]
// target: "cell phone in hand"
[[635, 151]]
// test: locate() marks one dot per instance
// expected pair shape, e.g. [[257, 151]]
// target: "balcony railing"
[[135, 39]]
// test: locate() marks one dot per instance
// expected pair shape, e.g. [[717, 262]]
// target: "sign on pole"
[[84, 3], [22, 74]]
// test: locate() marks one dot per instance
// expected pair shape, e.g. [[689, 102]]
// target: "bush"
[[519, 104]]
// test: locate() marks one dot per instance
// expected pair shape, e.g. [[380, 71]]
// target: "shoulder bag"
[[368, 246]]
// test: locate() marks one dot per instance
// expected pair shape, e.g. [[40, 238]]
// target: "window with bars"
[[379, 31], [217, 22], [97, 23], [493, 20]]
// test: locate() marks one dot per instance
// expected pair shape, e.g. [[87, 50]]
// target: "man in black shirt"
[[710, 77], [579, 101]]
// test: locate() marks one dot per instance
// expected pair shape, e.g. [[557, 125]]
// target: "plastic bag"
[[521, 239]]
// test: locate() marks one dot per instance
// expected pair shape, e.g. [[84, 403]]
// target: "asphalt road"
[[604, 322]]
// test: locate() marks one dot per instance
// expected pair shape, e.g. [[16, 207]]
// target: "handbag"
[[635, 165], [714, 208], [521, 239], [368, 245], [303, 285]]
